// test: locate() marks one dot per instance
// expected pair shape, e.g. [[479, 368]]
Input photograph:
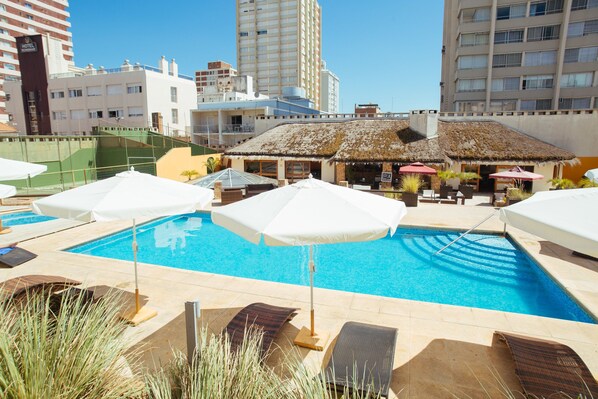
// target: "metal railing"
[[464, 234]]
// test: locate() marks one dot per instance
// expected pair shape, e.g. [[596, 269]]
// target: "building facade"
[[232, 88], [329, 91], [20, 18], [519, 55], [279, 43], [217, 72]]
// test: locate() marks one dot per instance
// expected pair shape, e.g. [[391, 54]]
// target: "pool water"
[[483, 271], [17, 218]]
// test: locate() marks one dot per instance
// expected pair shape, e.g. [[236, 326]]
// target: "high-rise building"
[[519, 55], [329, 90], [279, 43], [22, 18], [210, 77]]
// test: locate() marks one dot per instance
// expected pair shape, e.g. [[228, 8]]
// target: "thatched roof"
[[391, 140]]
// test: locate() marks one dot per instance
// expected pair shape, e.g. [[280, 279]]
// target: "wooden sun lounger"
[[268, 318], [16, 256], [547, 369], [19, 285], [364, 352]]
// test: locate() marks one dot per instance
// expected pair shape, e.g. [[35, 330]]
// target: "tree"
[[189, 173]]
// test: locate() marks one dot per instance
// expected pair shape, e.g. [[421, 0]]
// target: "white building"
[[230, 88], [211, 76], [128, 96], [329, 91]]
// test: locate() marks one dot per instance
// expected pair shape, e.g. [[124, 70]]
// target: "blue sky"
[[384, 51]]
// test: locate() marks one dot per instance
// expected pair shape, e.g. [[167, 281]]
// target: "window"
[[77, 114], [473, 61], [173, 95], [115, 113], [75, 92], [543, 33], [537, 82], [464, 85], [10, 67], [29, 17], [577, 79], [96, 114], [536, 105], [585, 54], [94, 91], [56, 94], [58, 115], [135, 111], [577, 29], [27, 5], [505, 84], [114, 90], [506, 60], [508, 36], [134, 89], [262, 168], [583, 4], [262, 32], [470, 106], [510, 12], [475, 14], [243, 34], [545, 7], [175, 115], [574, 103], [503, 105], [473, 39], [296, 170], [536, 58]]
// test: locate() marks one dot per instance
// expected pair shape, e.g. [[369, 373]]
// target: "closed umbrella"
[[418, 168], [128, 195], [5, 192], [565, 217], [311, 212], [16, 170]]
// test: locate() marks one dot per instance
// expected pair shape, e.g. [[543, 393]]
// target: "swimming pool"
[[17, 218], [483, 271]]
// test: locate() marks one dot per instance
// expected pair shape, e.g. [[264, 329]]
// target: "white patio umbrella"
[[5, 192], [311, 212], [16, 170], [592, 174], [128, 195], [565, 217]]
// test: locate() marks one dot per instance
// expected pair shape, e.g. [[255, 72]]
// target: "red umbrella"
[[417, 168], [516, 173]]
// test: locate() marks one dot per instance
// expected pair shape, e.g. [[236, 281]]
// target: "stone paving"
[[442, 350]]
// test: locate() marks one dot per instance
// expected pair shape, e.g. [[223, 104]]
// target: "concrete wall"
[[177, 160]]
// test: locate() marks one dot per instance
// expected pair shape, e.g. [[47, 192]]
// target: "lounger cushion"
[[15, 256], [365, 351]]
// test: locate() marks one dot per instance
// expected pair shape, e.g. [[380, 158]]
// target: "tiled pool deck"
[[439, 347]]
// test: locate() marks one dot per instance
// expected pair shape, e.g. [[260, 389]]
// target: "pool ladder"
[[464, 234]]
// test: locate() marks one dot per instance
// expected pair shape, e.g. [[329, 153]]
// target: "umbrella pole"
[[312, 269], [137, 306]]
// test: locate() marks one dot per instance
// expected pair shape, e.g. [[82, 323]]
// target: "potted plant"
[[466, 189], [586, 183], [562, 184], [410, 185], [445, 175], [515, 195], [212, 165]]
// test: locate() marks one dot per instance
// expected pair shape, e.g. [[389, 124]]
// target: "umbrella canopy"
[[128, 195], [418, 168], [15, 170], [7, 191], [232, 178], [565, 217], [592, 174], [518, 174], [311, 212]]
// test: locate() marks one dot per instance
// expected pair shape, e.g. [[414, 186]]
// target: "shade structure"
[[128, 195], [7, 191], [308, 213], [592, 174], [232, 178], [16, 170], [417, 168], [517, 173], [565, 217]]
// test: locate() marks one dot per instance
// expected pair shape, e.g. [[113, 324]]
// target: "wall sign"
[[386, 177], [28, 46]]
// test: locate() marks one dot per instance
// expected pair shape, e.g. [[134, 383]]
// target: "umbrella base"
[[6, 230], [306, 340], [136, 318]]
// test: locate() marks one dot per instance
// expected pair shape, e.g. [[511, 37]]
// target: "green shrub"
[[189, 173], [445, 175], [518, 194], [562, 184], [410, 184], [467, 176], [212, 165], [586, 183]]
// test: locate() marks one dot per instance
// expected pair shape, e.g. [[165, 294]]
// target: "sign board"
[[28, 46], [386, 177]]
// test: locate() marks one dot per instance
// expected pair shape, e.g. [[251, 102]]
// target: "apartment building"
[[329, 90], [19, 18], [218, 71], [505, 55], [279, 44]]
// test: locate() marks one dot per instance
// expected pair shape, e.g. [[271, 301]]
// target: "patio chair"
[[13, 256], [267, 318], [548, 369], [230, 196], [255, 189], [17, 286], [362, 359]]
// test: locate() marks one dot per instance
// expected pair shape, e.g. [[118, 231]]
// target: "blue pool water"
[[17, 218], [483, 271]]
